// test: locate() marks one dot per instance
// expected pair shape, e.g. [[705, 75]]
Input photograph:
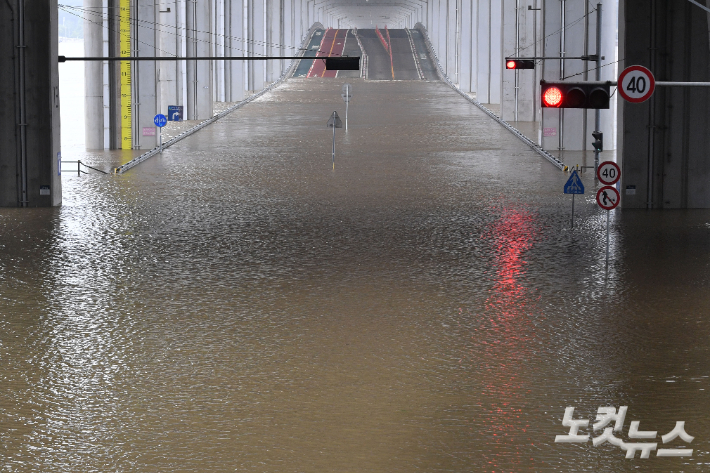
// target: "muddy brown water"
[[238, 305]]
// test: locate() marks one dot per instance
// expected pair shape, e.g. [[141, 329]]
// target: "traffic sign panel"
[[608, 173], [608, 197], [574, 184], [160, 120], [636, 84], [175, 113]]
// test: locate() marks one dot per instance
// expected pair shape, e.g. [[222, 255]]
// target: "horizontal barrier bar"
[[200, 58]]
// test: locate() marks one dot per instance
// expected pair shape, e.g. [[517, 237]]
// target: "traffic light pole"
[[597, 112]]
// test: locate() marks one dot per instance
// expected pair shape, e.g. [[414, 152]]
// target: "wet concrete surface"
[[235, 304], [426, 62], [402, 56]]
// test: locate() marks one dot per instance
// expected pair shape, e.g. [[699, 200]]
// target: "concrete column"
[[466, 24], [452, 39], [518, 26], [93, 76], [269, 35], [441, 34], [106, 52], [257, 38], [571, 129], [234, 41], [181, 40], [199, 73], [552, 124], [483, 51], [169, 77], [29, 117], [218, 42], [272, 37], [288, 31], [144, 77], [665, 139], [297, 26]]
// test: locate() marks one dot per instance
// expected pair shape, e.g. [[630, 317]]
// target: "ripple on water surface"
[[237, 304]]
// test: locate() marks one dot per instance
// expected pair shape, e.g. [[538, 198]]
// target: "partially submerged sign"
[[334, 121]]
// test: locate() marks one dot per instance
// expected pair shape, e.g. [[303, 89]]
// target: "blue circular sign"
[[160, 120]]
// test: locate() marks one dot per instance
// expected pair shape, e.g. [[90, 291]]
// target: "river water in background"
[[238, 305]]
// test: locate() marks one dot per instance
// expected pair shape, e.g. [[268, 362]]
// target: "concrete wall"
[[665, 140], [29, 104]]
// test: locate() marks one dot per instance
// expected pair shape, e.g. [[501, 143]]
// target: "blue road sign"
[[160, 120], [574, 184], [175, 113]]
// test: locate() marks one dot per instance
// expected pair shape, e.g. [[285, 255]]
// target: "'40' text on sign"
[[607, 415]]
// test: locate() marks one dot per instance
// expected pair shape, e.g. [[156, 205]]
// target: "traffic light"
[[598, 142], [574, 95], [519, 63], [342, 63]]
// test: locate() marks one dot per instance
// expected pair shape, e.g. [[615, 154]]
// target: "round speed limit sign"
[[636, 84], [608, 173]]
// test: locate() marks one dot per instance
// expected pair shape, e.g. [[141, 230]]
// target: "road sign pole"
[[333, 141], [597, 112], [160, 134], [607, 239], [346, 114], [573, 211]]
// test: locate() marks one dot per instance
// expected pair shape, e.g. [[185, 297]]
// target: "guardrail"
[[79, 164], [363, 55], [287, 73], [442, 75]]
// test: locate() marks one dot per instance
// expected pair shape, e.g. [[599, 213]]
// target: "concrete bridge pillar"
[[234, 46], [468, 28], [257, 38], [664, 141], [570, 129], [93, 76], [488, 52], [171, 40], [218, 47], [145, 107], [29, 117], [519, 90], [199, 73]]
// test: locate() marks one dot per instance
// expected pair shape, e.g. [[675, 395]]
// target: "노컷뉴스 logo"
[[605, 415]]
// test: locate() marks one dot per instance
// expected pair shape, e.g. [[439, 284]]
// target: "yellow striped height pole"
[[125, 44]]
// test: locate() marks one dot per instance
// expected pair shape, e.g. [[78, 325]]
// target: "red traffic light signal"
[[575, 95], [519, 63]]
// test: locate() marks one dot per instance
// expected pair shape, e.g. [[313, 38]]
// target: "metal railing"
[[79, 164]]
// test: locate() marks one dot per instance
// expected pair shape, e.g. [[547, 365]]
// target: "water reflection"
[[236, 304]]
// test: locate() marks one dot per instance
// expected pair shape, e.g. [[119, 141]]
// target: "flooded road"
[[237, 305]]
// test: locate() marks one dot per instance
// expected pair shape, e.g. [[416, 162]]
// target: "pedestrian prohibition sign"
[[636, 84], [608, 197]]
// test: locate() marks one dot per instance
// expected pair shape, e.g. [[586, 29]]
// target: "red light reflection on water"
[[504, 337]]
